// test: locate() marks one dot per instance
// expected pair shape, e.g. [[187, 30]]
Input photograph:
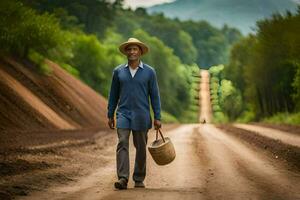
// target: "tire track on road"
[[247, 172], [285, 137]]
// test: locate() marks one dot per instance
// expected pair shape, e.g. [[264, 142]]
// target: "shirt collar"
[[140, 65]]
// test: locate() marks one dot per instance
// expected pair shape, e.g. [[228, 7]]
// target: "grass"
[[168, 118], [284, 118]]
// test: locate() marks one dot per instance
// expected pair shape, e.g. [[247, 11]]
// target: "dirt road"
[[285, 137], [204, 93], [209, 165]]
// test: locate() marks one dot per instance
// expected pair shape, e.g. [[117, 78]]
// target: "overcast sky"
[[144, 3]]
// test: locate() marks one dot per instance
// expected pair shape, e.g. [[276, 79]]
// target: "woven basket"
[[162, 150]]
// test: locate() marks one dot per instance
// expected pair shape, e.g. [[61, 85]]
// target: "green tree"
[[240, 59], [21, 29], [212, 44], [94, 15], [296, 85], [230, 100], [90, 59], [170, 32], [264, 67]]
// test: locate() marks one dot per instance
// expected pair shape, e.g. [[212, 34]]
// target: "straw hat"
[[135, 41]]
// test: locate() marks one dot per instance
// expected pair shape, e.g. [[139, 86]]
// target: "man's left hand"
[[157, 124]]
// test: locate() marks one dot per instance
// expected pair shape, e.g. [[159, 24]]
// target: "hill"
[[237, 13], [30, 101]]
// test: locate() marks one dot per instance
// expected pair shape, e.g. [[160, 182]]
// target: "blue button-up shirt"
[[131, 95]]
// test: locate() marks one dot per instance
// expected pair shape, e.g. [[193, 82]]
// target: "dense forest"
[[265, 68], [260, 75], [83, 37], [261, 82]]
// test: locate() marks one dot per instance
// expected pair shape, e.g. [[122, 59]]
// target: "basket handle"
[[159, 131]]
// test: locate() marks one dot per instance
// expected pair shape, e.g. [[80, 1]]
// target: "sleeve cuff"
[[157, 117]]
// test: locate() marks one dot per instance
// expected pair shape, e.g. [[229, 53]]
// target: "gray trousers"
[[140, 142]]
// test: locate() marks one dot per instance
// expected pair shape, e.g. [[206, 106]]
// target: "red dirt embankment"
[[32, 104]]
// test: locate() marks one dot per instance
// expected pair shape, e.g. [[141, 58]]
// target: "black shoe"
[[139, 184], [121, 184]]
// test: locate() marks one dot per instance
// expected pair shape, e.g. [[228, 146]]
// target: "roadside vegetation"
[[261, 80], [83, 38], [254, 77]]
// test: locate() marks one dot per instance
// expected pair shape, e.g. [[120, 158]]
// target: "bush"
[[39, 60], [246, 116], [70, 69], [219, 117], [22, 29], [168, 118], [284, 118]]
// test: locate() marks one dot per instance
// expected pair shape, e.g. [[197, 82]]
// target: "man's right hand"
[[111, 123], [157, 124]]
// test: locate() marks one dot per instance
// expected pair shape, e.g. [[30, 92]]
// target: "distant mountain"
[[241, 14]]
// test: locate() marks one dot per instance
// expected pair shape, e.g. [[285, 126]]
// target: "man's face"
[[133, 52]]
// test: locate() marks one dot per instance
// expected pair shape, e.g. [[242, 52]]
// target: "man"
[[132, 85]]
